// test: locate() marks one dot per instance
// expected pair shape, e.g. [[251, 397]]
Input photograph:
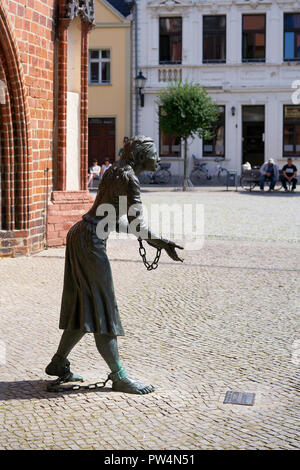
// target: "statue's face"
[[149, 162]]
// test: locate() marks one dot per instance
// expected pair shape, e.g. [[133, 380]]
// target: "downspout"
[[133, 5], [136, 70]]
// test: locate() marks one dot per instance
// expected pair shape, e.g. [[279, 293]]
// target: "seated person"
[[289, 173], [94, 172], [105, 167], [271, 171]]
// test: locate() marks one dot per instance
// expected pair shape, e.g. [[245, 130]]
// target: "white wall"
[[74, 55], [73, 141], [73, 105], [231, 84]]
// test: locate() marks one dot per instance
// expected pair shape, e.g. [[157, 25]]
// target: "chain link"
[[56, 385], [142, 252]]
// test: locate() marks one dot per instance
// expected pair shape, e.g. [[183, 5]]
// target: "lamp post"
[[140, 81]]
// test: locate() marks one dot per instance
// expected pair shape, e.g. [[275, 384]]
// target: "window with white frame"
[[292, 36], [291, 131], [100, 67], [169, 144], [215, 145]]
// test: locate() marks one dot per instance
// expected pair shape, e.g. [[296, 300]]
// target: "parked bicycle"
[[200, 172], [161, 176]]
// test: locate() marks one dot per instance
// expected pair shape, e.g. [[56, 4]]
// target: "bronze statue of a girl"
[[88, 300]]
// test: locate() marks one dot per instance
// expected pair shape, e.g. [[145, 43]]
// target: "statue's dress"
[[88, 299]]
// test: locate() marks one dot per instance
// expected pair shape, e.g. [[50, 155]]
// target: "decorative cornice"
[[169, 4], [84, 8]]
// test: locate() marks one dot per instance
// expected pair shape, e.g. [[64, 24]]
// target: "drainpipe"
[[133, 5], [136, 72]]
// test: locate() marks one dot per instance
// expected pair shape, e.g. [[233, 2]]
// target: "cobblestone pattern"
[[226, 319]]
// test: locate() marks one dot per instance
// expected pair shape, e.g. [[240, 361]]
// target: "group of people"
[[271, 171], [97, 171]]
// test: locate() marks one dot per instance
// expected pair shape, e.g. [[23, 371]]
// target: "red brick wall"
[[31, 24], [29, 30]]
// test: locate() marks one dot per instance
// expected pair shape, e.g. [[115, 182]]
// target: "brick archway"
[[15, 134]]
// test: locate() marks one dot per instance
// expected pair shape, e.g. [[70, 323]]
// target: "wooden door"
[[253, 135], [102, 136]]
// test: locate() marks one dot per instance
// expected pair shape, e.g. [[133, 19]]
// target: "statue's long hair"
[[135, 150], [134, 154]]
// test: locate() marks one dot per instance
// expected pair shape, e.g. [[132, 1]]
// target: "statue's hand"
[[170, 249]]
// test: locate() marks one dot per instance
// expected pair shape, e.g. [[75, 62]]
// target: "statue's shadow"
[[29, 389]]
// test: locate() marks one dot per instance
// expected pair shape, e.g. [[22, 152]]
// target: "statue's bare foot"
[[128, 385]]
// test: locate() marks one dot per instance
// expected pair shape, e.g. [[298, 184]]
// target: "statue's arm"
[[137, 223]]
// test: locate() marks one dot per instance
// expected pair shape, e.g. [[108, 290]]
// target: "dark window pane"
[[105, 72], [214, 38], [214, 47], [94, 54], [105, 54], [169, 145], [94, 72], [297, 54], [248, 46], [260, 40], [259, 46], [254, 37], [216, 145], [292, 113], [170, 40], [288, 139], [253, 22], [292, 20], [291, 130], [220, 140], [170, 25], [297, 138], [217, 22], [175, 44], [165, 49], [253, 113]]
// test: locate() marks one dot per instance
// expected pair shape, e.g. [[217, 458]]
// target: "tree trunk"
[[185, 174]]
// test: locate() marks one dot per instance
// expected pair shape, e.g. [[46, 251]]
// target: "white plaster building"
[[245, 53]]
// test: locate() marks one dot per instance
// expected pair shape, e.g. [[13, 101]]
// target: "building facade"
[[109, 80], [43, 120], [247, 56]]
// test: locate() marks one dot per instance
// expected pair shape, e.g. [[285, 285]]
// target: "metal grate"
[[239, 398]]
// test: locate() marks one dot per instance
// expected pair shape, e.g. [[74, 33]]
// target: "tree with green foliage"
[[186, 110]]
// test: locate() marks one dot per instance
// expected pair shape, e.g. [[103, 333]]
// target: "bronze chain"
[[57, 385], [142, 252]]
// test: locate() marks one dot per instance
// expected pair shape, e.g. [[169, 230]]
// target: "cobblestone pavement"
[[225, 319]]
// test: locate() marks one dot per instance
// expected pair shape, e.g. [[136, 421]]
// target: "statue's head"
[[140, 153]]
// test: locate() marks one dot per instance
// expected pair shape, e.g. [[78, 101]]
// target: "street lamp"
[[140, 81]]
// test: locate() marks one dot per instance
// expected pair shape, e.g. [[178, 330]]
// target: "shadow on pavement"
[[28, 389], [214, 266], [125, 260]]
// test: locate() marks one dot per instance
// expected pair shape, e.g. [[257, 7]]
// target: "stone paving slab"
[[225, 319]]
